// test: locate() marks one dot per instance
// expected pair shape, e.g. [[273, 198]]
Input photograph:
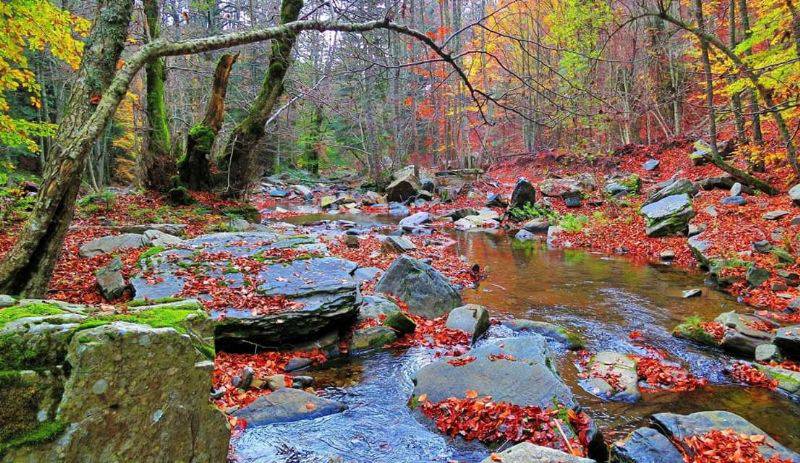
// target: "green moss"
[[632, 182], [203, 137], [573, 223], [162, 300], [45, 432], [243, 211], [150, 252], [574, 339], [691, 329], [157, 318], [36, 309]]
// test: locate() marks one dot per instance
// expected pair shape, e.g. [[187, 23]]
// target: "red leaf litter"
[[433, 334], [661, 375], [727, 446], [461, 361], [223, 295], [479, 418], [613, 379], [748, 374], [227, 366], [714, 329]]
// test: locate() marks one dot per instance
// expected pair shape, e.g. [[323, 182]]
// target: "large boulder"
[[36, 335], [671, 188], [525, 452], [109, 244], [524, 194], [740, 337], [136, 390], [327, 293], [287, 405], [678, 427], [404, 186], [426, 291], [645, 445], [499, 369], [471, 318], [668, 216], [563, 187]]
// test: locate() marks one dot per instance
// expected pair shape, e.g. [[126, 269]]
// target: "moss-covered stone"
[[16, 312], [26, 399], [691, 329], [42, 433], [244, 211]]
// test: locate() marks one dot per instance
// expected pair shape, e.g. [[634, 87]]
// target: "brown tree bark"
[[27, 267], [239, 156], [195, 167]]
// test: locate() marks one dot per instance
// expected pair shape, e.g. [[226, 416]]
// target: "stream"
[[602, 298]]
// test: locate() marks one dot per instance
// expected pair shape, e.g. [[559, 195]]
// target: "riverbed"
[[602, 298]]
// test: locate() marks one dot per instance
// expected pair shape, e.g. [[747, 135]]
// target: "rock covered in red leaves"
[[691, 431]]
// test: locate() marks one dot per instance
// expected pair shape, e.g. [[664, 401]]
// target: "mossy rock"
[[691, 329], [35, 335], [244, 211], [44, 432], [179, 196], [27, 398]]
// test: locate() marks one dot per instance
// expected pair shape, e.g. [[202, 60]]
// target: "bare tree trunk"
[[195, 168], [28, 266], [736, 99], [758, 136], [157, 165], [239, 153]]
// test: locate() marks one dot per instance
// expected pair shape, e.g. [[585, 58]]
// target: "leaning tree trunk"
[[27, 267], [195, 167], [239, 157], [714, 156], [157, 165]]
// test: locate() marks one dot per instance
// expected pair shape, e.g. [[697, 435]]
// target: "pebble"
[[694, 292]]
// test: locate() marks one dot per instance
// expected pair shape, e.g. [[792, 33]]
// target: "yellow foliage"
[[32, 25]]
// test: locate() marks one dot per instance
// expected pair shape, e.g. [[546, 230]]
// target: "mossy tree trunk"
[[239, 159], [157, 164], [27, 267], [195, 167]]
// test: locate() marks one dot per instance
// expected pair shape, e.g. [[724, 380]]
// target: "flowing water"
[[602, 298]]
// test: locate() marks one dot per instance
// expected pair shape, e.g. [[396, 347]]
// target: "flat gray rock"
[[109, 244], [668, 216], [287, 405], [525, 452], [502, 379]]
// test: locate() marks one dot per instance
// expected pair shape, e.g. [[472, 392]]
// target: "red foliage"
[[786, 364], [715, 329], [748, 374], [479, 418], [227, 366], [665, 376], [434, 334], [727, 446], [461, 361]]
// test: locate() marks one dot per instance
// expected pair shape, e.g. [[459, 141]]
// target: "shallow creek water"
[[602, 298]]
